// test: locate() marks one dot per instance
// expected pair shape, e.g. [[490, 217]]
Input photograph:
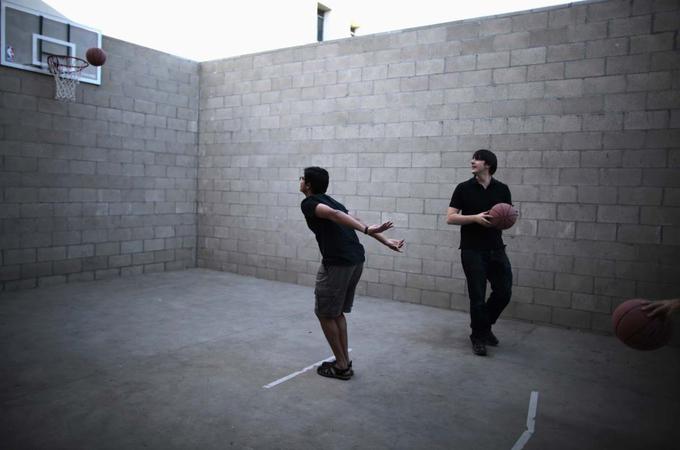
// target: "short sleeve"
[[308, 207], [457, 198], [508, 196]]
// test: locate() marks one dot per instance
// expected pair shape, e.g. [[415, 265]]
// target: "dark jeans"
[[479, 266]]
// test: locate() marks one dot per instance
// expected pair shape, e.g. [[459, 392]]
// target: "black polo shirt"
[[339, 245], [471, 198]]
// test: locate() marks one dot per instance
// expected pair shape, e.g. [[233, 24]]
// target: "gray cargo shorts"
[[334, 291]]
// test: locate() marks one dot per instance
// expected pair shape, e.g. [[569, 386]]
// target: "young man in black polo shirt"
[[341, 264], [482, 249]]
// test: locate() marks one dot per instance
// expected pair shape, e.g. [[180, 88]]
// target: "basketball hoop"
[[66, 71]]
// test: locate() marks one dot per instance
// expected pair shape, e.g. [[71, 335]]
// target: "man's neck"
[[484, 179]]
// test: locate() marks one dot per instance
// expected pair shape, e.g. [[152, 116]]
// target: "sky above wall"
[[203, 30]]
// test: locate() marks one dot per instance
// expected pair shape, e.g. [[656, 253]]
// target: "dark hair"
[[317, 178], [488, 157]]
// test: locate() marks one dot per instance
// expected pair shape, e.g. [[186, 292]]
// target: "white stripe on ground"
[[531, 422], [294, 374]]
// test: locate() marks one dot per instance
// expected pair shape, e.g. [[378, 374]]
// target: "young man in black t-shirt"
[[482, 249], [341, 264]]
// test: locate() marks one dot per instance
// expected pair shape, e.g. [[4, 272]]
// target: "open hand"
[[395, 244], [375, 229]]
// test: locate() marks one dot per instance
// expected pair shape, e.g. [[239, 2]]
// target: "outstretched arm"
[[454, 217], [662, 308], [326, 212], [393, 244]]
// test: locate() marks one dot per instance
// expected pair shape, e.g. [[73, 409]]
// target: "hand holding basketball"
[[636, 329], [503, 216], [484, 219], [662, 308]]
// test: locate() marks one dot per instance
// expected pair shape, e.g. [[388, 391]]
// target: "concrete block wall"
[[104, 186], [581, 103]]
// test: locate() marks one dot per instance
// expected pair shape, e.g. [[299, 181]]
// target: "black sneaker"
[[478, 347], [491, 339]]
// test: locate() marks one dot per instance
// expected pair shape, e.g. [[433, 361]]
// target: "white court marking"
[[531, 422], [294, 374]]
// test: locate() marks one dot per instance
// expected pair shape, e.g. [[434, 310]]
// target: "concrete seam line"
[[294, 374], [531, 422]]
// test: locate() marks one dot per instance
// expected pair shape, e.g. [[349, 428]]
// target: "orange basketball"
[[95, 56], [503, 216], [636, 330]]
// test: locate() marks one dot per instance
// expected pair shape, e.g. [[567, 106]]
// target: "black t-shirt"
[[339, 245], [471, 198]]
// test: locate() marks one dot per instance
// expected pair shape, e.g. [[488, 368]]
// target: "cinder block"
[[639, 234], [551, 71], [510, 41], [615, 287], [564, 88], [618, 214], [405, 69], [651, 43], [645, 120], [593, 303], [68, 266], [556, 229], [537, 313], [549, 36], [574, 283], [571, 318], [461, 63], [552, 298], [534, 278], [607, 47], [641, 196], [521, 57], [628, 64], [595, 231], [587, 68], [566, 52], [510, 75], [493, 60]]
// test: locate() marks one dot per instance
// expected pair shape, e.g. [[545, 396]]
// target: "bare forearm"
[[345, 219], [459, 219], [380, 238]]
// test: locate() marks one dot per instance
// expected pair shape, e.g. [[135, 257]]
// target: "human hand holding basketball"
[[637, 329], [483, 219], [662, 308], [503, 216]]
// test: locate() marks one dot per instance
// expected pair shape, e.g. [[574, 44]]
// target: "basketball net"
[[66, 71]]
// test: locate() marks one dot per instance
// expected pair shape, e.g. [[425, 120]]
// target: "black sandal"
[[330, 371], [331, 363]]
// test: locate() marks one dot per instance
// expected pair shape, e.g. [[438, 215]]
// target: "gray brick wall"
[[105, 186], [581, 103]]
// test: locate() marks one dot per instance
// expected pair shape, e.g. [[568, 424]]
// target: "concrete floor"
[[179, 360]]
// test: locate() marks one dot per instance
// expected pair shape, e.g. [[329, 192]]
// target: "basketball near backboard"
[[29, 37]]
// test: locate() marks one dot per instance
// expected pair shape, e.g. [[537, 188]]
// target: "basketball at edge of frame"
[[635, 329], [503, 216], [95, 56]]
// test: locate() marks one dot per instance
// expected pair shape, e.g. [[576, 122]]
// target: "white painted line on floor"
[[294, 374], [531, 422]]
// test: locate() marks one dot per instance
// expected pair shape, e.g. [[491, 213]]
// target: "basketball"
[[95, 56], [503, 216], [636, 330]]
